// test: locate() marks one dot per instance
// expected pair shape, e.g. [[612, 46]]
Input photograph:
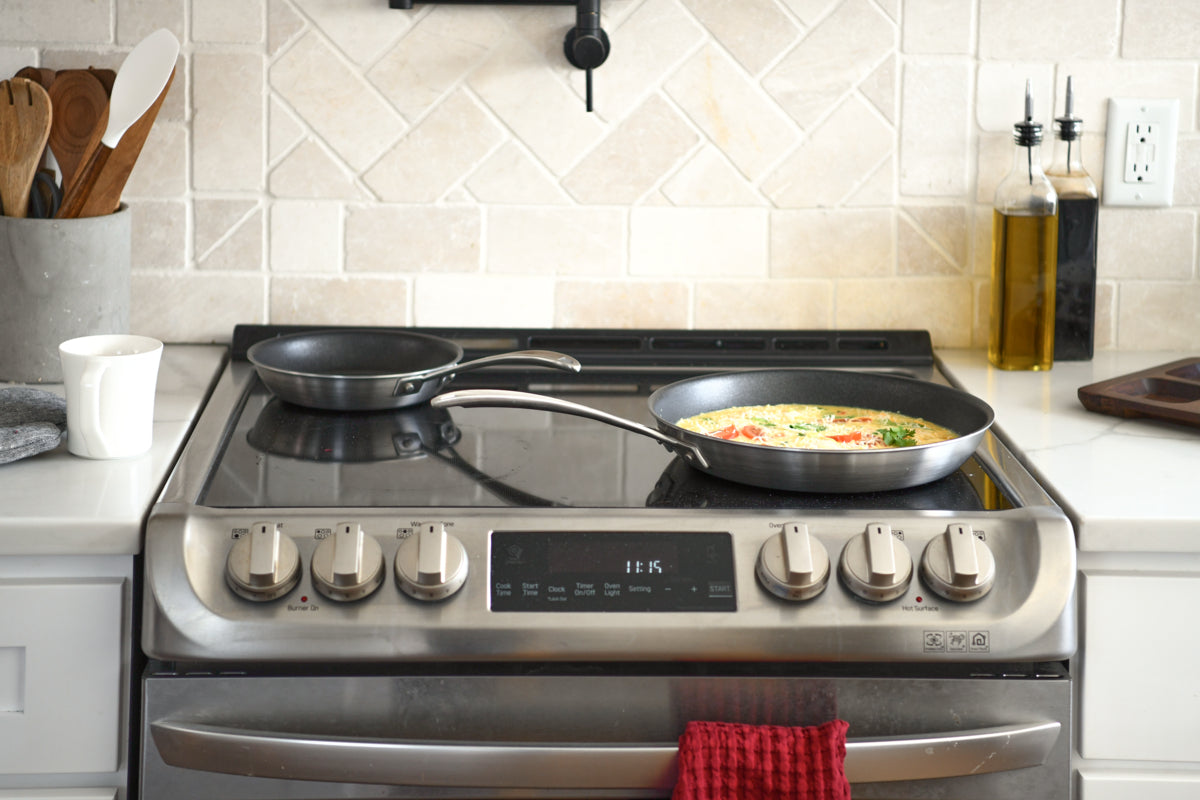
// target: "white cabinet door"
[[1140, 682], [60, 675], [1123, 785]]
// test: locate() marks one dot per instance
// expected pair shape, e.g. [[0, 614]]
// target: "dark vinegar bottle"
[[1078, 218]]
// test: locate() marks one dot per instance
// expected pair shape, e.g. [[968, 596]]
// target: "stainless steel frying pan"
[[370, 370], [786, 468]]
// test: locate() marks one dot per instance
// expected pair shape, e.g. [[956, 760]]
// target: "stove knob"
[[348, 565], [432, 564], [263, 565], [958, 565], [792, 564], [876, 565]]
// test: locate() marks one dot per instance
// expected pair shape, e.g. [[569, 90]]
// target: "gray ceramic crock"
[[59, 278]]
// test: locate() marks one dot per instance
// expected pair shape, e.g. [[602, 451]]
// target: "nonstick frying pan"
[[371, 370], [787, 468]]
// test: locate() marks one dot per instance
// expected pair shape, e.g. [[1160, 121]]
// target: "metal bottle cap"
[[1068, 127], [1027, 133]]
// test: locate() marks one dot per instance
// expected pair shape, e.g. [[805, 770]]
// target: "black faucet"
[[586, 45]]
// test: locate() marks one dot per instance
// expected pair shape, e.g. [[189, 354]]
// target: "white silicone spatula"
[[139, 82]]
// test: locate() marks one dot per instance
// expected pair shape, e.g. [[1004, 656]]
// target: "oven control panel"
[[598, 571], [609, 584]]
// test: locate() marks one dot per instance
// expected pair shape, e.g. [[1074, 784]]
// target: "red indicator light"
[[920, 599], [304, 598]]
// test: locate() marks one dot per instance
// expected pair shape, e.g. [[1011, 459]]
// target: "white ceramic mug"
[[110, 381]]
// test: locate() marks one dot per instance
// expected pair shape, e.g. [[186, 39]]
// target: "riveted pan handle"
[[406, 384], [504, 398]]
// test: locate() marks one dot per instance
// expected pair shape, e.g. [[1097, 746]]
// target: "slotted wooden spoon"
[[24, 128]]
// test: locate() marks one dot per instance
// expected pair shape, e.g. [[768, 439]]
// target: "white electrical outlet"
[[1139, 152]]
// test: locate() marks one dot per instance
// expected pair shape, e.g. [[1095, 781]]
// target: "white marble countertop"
[[55, 503], [1129, 485]]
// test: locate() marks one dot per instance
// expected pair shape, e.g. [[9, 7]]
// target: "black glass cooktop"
[[282, 456]]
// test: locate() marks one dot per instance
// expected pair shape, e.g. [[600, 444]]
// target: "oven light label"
[[957, 641]]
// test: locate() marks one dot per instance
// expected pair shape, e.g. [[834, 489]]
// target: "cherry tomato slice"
[[848, 437]]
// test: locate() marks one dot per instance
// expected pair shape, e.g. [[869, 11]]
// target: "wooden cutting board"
[[1169, 391]]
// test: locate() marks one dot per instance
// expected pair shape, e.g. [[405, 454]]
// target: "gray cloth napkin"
[[31, 422]]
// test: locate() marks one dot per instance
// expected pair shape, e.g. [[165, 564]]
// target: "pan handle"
[[540, 358], [504, 398]]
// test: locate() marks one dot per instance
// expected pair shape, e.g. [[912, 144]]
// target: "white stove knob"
[[263, 565], [958, 565], [876, 565], [348, 565], [431, 564], [792, 564]]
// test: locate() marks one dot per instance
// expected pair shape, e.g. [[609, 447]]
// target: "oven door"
[[592, 732]]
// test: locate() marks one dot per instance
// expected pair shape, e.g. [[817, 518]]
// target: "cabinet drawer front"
[[1098, 784], [60, 675], [1139, 698]]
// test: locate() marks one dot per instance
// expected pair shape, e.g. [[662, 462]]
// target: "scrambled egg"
[[813, 427]]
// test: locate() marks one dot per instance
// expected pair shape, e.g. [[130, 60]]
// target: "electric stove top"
[[287, 534]]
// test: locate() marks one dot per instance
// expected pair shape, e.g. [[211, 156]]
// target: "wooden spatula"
[[80, 106], [24, 127]]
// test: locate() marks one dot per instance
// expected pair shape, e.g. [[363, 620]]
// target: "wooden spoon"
[[24, 127], [147, 69], [80, 105], [105, 76]]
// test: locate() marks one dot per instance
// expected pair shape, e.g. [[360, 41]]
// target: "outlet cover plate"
[[1139, 152]]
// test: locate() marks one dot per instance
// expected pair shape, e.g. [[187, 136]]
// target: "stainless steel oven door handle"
[[198, 746]]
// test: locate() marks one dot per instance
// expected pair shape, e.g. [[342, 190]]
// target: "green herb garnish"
[[897, 436]]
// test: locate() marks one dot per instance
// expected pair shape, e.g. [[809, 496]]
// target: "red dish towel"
[[729, 761]]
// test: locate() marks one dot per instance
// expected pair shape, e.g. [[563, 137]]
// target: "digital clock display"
[[611, 554], [612, 571]]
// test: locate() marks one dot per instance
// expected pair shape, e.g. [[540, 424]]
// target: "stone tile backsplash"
[[751, 163]]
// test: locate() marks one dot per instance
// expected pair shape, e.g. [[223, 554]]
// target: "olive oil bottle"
[[1024, 256], [1078, 218]]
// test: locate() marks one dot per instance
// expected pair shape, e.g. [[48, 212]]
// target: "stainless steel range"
[[497, 602]]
